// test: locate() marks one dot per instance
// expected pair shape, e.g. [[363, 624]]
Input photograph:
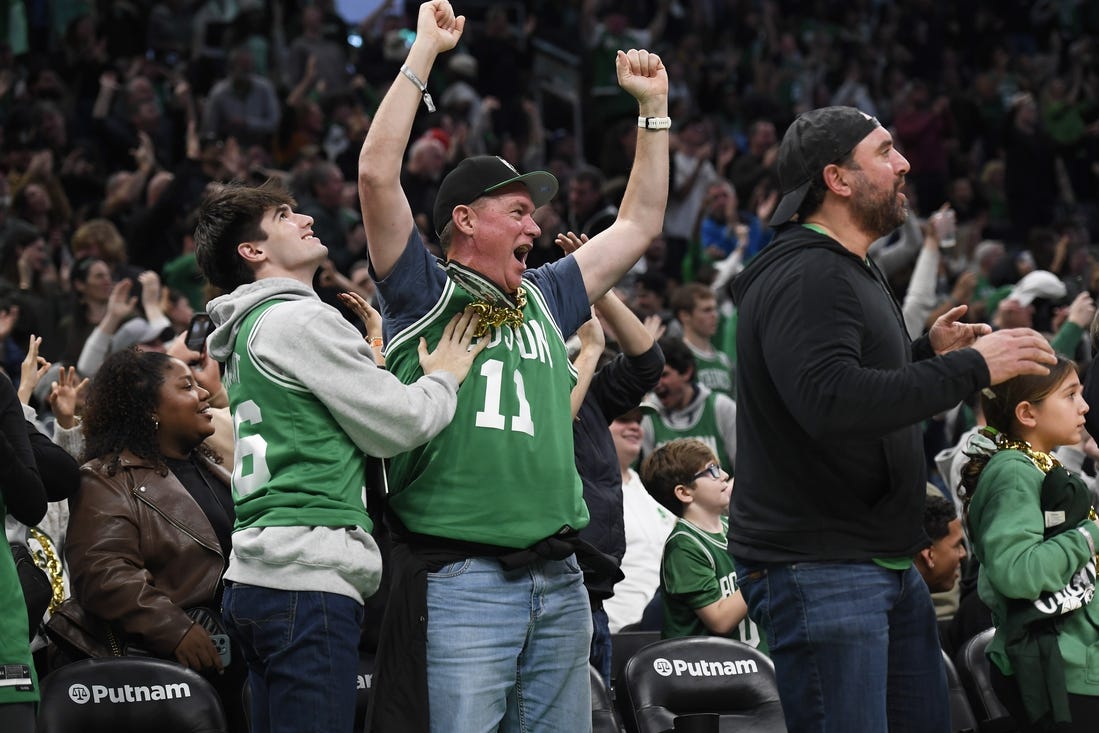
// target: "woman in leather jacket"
[[150, 528]]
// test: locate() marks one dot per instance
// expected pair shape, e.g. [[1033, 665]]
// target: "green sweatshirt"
[[1007, 526]]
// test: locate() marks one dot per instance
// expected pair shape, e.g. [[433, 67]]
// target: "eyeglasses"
[[713, 469]]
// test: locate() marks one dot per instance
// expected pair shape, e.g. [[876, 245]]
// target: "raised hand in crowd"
[[654, 324], [1080, 312], [67, 396], [120, 305], [150, 295], [367, 313], [437, 24], [34, 367]]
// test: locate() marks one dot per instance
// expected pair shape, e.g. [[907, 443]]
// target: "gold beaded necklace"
[[495, 307], [496, 315], [1044, 461], [52, 565]]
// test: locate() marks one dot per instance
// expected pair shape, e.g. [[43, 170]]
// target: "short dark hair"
[[678, 355], [228, 215], [672, 464], [687, 297], [938, 513]]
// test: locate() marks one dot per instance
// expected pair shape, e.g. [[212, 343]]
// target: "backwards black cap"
[[816, 139]]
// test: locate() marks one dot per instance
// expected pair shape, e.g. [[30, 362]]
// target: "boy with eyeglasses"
[[697, 578]]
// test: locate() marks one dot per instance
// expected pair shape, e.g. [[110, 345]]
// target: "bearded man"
[[826, 515]]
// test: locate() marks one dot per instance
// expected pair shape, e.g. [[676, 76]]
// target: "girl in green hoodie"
[[1034, 532]]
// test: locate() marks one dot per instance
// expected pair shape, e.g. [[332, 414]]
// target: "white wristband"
[[654, 123], [411, 76]]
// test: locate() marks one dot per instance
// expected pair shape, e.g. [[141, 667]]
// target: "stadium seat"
[[128, 695], [703, 674], [624, 644], [603, 719], [973, 669], [961, 713]]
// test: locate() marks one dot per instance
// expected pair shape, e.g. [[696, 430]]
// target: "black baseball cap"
[[481, 175], [814, 140]]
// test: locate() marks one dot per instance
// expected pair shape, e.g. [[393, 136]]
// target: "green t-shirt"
[[698, 570], [502, 472], [704, 429], [18, 682], [715, 370], [295, 466]]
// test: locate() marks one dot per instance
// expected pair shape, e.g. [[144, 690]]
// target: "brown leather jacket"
[[140, 551]]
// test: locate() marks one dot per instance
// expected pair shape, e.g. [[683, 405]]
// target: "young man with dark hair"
[[695, 307], [688, 409], [308, 405], [939, 562]]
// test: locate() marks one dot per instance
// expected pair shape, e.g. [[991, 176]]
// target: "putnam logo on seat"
[[128, 693], [704, 668]]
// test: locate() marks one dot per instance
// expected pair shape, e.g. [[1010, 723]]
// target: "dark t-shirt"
[[211, 495]]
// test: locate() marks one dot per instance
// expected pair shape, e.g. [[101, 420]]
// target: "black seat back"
[[624, 644], [974, 670], [603, 719], [961, 713], [128, 695], [703, 674]]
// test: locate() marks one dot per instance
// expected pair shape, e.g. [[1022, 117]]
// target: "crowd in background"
[[115, 118]]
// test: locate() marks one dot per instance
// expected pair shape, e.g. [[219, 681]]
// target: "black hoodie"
[[830, 396]]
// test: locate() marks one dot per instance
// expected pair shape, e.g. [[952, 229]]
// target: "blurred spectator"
[[647, 525], [91, 287], [589, 210], [328, 56], [420, 178], [692, 173], [243, 105], [753, 165], [1030, 182], [923, 128]]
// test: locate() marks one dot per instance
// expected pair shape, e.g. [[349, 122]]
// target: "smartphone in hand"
[[200, 328]]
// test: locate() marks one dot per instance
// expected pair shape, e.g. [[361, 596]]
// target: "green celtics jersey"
[[294, 465], [503, 471], [18, 682], [704, 429], [696, 571], [715, 370]]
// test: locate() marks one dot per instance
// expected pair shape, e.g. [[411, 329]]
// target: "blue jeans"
[[855, 646], [508, 649], [302, 650]]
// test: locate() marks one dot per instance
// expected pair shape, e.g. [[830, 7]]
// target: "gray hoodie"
[[310, 343]]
